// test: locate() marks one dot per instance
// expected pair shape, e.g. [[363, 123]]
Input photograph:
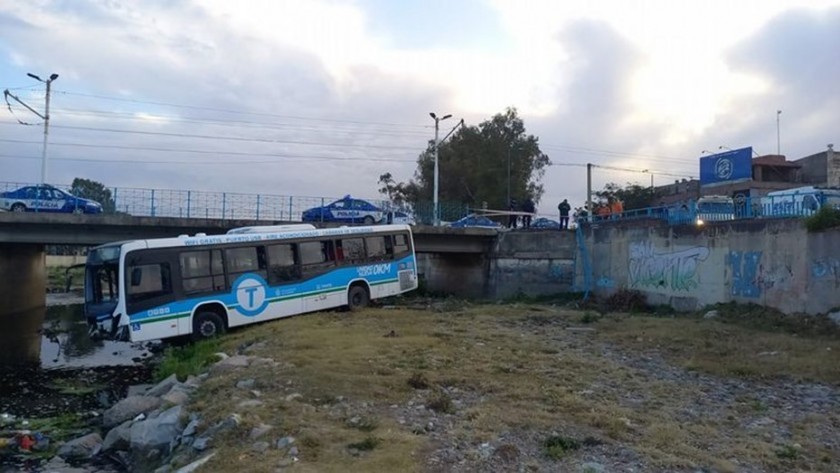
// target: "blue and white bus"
[[201, 285]]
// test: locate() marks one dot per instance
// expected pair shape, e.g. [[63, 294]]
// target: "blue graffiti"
[[745, 269], [605, 282]]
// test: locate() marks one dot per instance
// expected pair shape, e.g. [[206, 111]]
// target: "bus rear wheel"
[[207, 325], [357, 298]]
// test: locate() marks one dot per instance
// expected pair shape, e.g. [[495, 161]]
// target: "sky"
[[320, 97]]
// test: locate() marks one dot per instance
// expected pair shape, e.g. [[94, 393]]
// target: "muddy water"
[[66, 371]]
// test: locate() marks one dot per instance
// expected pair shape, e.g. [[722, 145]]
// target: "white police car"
[[46, 198], [345, 210]]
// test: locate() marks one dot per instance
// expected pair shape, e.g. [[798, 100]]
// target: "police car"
[[46, 198], [347, 210]]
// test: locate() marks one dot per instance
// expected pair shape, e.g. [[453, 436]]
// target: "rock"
[[712, 314], [194, 465], [285, 442], [253, 347], [259, 431], [293, 452], [189, 430], [164, 469], [231, 363], [264, 362], [163, 387], [245, 383], [128, 408], [592, 467], [118, 438], [177, 395], [201, 443], [250, 403], [81, 447], [260, 446], [138, 389], [157, 433], [293, 396], [834, 317]]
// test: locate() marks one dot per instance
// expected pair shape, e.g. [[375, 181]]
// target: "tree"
[[633, 196], [474, 166], [94, 190]]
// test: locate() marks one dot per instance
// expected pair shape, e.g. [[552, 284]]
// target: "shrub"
[[825, 218], [626, 300], [556, 446]]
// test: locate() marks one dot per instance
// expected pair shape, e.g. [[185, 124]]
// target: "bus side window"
[[243, 260], [282, 263], [149, 281], [202, 271], [376, 248], [354, 249], [401, 245]]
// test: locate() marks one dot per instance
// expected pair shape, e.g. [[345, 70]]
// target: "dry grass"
[[494, 368]]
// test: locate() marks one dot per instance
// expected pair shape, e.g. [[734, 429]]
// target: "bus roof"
[[222, 239]]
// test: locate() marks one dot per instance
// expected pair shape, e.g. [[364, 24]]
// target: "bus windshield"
[[101, 283]]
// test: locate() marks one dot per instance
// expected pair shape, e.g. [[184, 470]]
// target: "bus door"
[[284, 278]]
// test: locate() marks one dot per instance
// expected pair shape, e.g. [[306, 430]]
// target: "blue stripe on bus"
[[335, 280]]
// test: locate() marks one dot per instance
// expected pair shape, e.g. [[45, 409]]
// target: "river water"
[[66, 371]]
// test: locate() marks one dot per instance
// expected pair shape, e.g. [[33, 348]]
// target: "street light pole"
[[46, 118], [437, 145], [508, 177], [778, 138]]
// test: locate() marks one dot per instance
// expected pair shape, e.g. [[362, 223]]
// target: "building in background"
[[738, 175]]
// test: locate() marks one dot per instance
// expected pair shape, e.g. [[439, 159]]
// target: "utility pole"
[[508, 176], [437, 145], [589, 208], [778, 136], [45, 117]]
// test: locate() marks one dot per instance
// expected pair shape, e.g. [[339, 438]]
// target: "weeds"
[[366, 445], [626, 300], [441, 402], [187, 360], [418, 381], [557, 446], [825, 218]]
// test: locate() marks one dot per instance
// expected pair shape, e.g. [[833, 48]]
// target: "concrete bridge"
[[470, 262]]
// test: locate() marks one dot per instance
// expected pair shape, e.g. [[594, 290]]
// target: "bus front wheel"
[[207, 325], [358, 298]]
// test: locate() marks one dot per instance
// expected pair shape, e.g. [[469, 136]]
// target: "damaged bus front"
[[104, 304]]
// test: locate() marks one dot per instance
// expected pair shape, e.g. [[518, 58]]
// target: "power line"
[[240, 123], [203, 152], [222, 110]]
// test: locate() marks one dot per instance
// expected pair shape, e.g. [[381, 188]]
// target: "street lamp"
[[46, 118], [437, 144]]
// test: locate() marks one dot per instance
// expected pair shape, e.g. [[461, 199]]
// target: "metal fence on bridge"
[[242, 206], [721, 209]]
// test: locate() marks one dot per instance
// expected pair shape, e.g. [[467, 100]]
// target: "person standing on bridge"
[[529, 207], [564, 209]]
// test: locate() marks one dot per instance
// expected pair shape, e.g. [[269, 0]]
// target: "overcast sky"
[[318, 98]]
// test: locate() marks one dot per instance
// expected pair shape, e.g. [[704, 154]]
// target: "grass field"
[[506, 387]]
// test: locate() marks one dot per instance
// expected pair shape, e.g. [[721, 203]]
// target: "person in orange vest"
[[616, 208]]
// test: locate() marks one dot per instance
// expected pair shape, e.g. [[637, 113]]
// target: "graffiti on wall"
[[826, 268], [675, 271], [745, 273]]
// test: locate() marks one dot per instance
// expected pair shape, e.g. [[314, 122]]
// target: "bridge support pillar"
[[23, 282]]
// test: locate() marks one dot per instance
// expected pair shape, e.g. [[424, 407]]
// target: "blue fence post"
[[322, 210], [115, 199], [224, 204], [189, 196], [290, 208], [153, 202], [258, 206]]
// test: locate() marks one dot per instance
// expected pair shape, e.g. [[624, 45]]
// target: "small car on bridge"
[[46, 198]]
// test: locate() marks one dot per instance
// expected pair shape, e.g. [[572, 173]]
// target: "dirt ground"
[[451, 386]]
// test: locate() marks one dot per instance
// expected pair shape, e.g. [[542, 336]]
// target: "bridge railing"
[[233, 205], [798, 205]]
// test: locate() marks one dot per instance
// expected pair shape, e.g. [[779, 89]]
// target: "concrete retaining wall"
[[775, 263]]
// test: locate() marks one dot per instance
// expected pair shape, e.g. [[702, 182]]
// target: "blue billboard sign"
[[728, 167]]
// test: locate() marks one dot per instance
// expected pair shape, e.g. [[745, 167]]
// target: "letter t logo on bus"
[[250, 291]]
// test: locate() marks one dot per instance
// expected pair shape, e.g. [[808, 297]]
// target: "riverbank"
[[451, 386]]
